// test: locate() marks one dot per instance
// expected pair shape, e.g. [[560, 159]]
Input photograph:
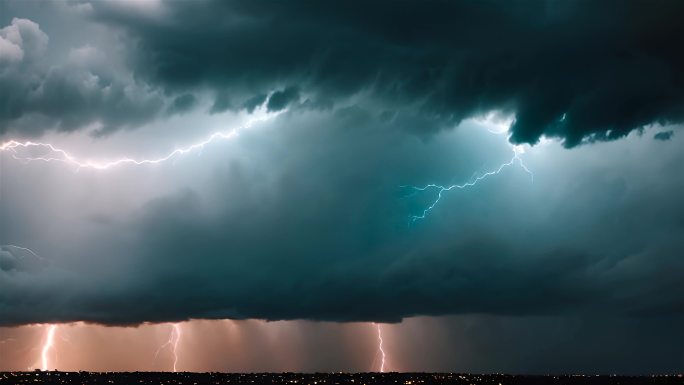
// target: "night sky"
[[491, 185]]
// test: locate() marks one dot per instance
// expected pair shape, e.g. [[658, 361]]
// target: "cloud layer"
[[574, 70], [304, 217]]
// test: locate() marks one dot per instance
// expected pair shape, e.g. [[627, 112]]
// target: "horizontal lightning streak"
[[56, 154]]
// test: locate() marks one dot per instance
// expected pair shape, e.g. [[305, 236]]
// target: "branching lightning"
[[55, 154], [48, 345], [172, 343], [516, 159]]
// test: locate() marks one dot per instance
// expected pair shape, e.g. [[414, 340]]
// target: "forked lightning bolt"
[[55, 154], [517, 150], [174, 338]]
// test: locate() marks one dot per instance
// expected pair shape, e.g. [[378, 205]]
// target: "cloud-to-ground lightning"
[[55, 154], [381, 350], [516, 159], [50, 330], [172, 343], [48, 345]]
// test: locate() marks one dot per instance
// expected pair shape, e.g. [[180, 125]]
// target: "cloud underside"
[[573, 70]]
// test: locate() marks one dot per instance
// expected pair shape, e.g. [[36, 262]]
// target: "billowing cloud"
[[281, 99], [663, 135], [78, 90], [576, 71], [304, 218], [573, 70], [21, 38]]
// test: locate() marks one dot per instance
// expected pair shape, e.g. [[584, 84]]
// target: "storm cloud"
[[308, 215], [253, 229], [65, 91], [578, 71]]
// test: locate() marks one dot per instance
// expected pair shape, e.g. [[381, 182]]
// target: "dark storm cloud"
[[663, 135], [182, 103], [253, 102], [64, 91], [281, 99], [576, 70], [305, 218], [310, 223]]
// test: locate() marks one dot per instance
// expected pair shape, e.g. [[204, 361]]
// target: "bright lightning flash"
[[48, 345], [51, 330], [174, 339], [55, 154], [516, 159], [380, 348]]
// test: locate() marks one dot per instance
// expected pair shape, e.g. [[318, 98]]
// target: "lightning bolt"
[[516, 159], [380, 348], [56, 154], [48, 345], [20, 248], [174, 338], [51, 330], [20, 256]]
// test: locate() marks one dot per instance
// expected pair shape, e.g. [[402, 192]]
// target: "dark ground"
[[38, 377]]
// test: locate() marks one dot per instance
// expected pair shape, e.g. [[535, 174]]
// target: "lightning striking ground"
[[380, 349], [55, 154], [48, 345], [516, 159], [174, 339], [51, 330]]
